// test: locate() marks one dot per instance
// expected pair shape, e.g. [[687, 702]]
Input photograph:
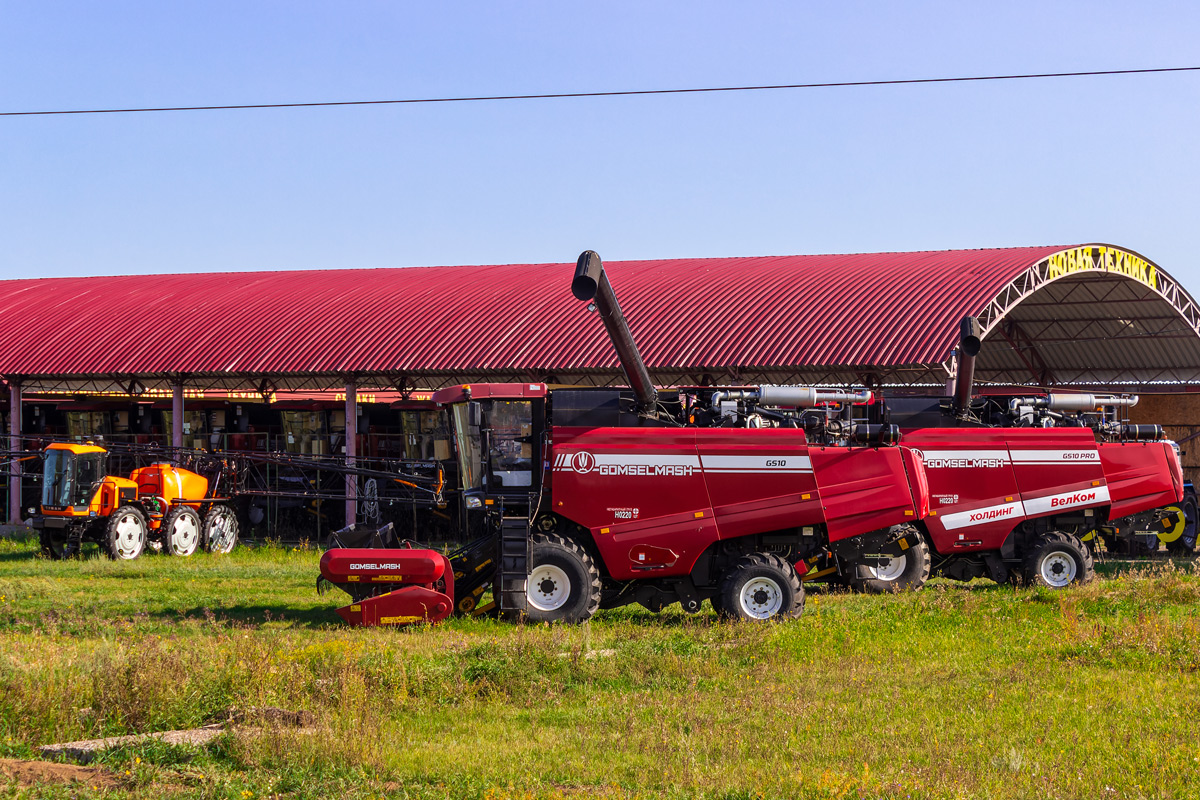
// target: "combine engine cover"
[[1141, 476], [391, 586], [655, 499]]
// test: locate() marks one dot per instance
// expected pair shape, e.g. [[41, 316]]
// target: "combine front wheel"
[[181, 531], [1057, 560], [220, 530], [126, 533], [564, 584], [761, 586]]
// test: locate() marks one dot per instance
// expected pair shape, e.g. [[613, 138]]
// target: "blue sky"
[[996, 164]]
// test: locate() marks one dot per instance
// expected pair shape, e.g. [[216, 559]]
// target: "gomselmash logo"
[[374, 566], [583, 462], [963, 459]]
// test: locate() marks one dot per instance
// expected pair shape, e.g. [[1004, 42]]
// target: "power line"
[[626, 93]]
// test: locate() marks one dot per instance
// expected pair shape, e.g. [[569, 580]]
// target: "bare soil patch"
[[33, 773]]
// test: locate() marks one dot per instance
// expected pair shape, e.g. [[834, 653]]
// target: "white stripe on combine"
[[631, 460], [1055, 457], [761, 463], [1097, 495], [982, 516]]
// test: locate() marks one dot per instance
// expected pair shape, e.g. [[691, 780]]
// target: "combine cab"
[[160, 504]]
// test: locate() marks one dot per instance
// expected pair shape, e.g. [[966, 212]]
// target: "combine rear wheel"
[[761, 586], [564, 584], [1181, 540], [906, 572], [181, 531], [1057, 560], [220, 530], [126, 533]]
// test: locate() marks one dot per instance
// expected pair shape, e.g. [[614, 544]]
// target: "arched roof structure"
[[1082, 314]]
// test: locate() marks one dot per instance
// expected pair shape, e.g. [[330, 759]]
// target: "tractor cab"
[[497, 431], [71, 475]]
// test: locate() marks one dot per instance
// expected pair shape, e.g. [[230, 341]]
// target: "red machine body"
[[424, 582], [984, 482], [655, 499]]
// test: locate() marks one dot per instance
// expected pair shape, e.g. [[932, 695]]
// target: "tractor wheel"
[[1057, 560], [220, 530], [59, 543], [761, 586], [564, 584], [181, 531], [126, 533], [906, 572], [1181, 541]]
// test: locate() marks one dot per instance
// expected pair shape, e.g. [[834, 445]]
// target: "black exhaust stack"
[[591, 283], [969, 342]]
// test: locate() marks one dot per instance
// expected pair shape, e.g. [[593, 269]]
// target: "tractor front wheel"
[[220, 530], [564, 584], [126, 533], [1057, 560], [761, 586], [60, 543], [181, 531]]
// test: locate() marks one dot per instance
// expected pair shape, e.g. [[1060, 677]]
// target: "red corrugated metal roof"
[[749, 314]]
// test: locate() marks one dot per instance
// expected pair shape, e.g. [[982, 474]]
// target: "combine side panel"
[[641, 493], [863, 489], [974, 502], [1058, 470], [759, 480], [1141, 476]]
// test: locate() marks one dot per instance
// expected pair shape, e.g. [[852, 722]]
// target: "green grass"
[[956, 691]]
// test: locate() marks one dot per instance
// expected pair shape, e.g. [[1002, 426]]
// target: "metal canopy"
[[1081, 315]]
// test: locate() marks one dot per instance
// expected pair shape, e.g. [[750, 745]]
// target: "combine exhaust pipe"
[[969, 342], [591, 283]]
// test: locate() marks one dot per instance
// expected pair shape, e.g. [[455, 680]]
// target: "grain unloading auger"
[[576, 499]]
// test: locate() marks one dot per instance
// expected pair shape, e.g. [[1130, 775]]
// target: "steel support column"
[[14, 445], [351, 451], [177, 415]]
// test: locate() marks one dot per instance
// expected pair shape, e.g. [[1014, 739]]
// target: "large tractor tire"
[[1181, 540], [761, 586], [59, 543], [220, 533], [181, 531], [1057, 560], [564, 584], [907, 572], [126, 531]]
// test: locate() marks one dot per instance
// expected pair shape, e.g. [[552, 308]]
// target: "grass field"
[[975, 691]]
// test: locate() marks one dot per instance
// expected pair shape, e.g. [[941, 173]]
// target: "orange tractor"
[[159, 506]]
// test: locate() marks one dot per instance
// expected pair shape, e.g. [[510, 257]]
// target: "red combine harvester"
[[579, 499], [1020, 485]]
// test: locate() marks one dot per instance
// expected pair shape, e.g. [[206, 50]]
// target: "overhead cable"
[[624, 93]]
